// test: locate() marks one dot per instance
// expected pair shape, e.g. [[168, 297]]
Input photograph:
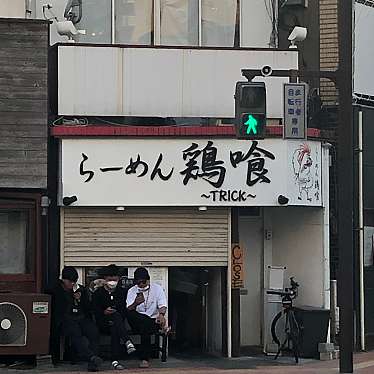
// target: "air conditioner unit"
[[24, 323]]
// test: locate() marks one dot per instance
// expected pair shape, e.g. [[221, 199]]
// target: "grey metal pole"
[[345, 189]]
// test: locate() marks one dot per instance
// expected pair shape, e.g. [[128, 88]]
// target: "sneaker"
[[94, 363], [130, 348], [117, 366], [144, 364]]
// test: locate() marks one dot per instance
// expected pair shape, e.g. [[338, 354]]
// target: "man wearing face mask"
[[146, 305], [71, 317], [110, 313]]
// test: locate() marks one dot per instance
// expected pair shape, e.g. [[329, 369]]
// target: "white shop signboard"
[[190, 172]]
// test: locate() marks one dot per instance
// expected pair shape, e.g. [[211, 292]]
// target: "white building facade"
[[163, 196]]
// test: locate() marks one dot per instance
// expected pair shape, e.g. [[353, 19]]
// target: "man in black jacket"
[[110, 313], [71, 318]]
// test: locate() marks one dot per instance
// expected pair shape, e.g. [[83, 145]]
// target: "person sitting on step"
[[146, 305], [71, 317], [110, 313]]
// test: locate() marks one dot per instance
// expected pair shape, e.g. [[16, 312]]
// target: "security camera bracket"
[[250, 74]]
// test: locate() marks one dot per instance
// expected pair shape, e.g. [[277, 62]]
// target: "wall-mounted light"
[[283, 200], [68, 200], [44, 203], [203, 208], [120, 208]]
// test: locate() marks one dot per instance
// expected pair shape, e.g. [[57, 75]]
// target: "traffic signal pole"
[[343, 80], [345, 187]]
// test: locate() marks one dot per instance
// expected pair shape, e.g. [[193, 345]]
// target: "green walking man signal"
[[251, 124], [250, 110]]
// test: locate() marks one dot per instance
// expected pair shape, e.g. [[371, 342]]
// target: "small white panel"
[[276, 277], [363, 50]]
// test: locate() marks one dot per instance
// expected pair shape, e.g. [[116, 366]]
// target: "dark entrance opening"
[[196, 299]]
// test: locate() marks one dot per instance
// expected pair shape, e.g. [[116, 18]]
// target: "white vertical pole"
[[325, 165], [200, 23], [361, 232], [326, 225], [267, 261], [157, 22], [113, 22]]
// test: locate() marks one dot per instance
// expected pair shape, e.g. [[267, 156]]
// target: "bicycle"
[[292, 328]]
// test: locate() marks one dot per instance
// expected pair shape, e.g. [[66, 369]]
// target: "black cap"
[[69, 273], [141, 274], [109, 270]]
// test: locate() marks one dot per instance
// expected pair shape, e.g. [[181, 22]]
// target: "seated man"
[[146, 305], [71, 317], [110, 313]]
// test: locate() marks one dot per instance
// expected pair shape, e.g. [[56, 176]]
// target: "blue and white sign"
[[295, 110]]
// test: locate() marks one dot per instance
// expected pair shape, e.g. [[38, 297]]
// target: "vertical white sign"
[[295, 110]]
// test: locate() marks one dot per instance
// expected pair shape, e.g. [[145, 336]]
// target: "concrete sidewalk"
[[364, 364]]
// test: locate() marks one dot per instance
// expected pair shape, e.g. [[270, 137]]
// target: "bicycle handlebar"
[[291, 291]]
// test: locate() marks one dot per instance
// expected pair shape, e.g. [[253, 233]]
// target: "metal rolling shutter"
[[145, 236]]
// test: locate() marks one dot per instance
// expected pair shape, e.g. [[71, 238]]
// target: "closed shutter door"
[[145, 236]]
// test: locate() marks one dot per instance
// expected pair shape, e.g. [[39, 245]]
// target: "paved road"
[[364, 364]]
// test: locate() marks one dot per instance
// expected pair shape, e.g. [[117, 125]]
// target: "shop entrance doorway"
[[196, 299]]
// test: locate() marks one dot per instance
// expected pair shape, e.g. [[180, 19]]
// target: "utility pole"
[[345, 186]]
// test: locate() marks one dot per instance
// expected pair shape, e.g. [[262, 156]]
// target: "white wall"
[[162, 82], [251, 240], [12, 8], [298, 244]]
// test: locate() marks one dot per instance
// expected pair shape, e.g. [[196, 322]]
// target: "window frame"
[[31, 204], [156, 25]]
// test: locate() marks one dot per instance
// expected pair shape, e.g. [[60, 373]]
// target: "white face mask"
[[112, 284], [143, 289]]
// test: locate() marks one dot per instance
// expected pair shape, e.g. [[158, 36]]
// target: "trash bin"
[[314, 324]]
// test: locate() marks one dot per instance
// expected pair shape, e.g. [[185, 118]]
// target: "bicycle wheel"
[[274, 328], [294, 335]]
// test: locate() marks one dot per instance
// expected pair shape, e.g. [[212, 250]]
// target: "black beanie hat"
[[110, 270], [69, 273], [141, 274]]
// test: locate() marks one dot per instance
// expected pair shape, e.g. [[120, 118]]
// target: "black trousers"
[[84, 337], [145, 326], [114, 325]]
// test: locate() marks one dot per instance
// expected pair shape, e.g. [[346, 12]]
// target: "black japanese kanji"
[[255, 157], [211, 169]]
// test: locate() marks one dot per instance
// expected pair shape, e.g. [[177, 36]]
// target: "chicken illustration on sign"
[[306, 172]]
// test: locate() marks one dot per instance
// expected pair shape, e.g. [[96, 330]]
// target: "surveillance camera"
[[298, 34], [266, 71], [68, 29]]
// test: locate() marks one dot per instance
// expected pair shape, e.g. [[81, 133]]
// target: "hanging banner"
[[237, 267]]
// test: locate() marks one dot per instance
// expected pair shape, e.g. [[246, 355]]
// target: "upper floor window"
[[212, 23], [134, 22]]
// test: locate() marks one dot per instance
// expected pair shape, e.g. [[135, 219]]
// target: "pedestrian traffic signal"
[[250, 110]]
